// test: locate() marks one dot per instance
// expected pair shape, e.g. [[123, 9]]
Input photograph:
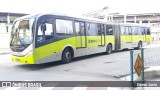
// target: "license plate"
[[17, 59]]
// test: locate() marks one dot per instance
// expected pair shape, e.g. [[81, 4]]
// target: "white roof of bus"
[[59, 14], [83, 18], [78, 17]]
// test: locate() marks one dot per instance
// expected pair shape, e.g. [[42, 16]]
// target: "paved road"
[[97, 67], [6, 39]]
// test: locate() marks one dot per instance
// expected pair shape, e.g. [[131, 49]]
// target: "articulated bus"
[[43, 38]]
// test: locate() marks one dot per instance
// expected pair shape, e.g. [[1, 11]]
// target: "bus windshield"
[[22, 32]]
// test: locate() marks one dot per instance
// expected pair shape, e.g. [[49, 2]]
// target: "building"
[[6, 20], [150, 19], [8, 17], [146, 18]]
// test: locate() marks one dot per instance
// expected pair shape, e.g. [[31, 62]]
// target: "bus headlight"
[[29, 53]]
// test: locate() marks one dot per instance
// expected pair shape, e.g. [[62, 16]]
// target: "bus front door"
[[80, 35], [101, 35]]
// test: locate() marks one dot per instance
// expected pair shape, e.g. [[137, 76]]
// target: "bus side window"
[[109, 30], [92, 29], [126, 31], [64, 27], [139, 30], [82, 28], [143, 31], [99, 29], [134, 31], [122, 30], [44, 35], [77, 28], [148, 31]]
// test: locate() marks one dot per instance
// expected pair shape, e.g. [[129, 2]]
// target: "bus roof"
[[80, 18]]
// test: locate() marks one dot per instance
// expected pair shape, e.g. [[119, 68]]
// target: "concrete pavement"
[[74, 70], [152, 74], [4, 45], [4, 51]]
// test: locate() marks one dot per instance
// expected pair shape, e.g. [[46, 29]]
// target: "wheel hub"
[[68, 55]]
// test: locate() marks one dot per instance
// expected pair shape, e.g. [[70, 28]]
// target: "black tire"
[[109, 49], [140, 45], [67, 56]]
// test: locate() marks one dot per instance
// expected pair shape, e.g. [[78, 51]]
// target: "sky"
[[79, 7]]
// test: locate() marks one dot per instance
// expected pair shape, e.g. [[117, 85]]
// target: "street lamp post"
[[98, 13], [112, 16], [105, 9], [125, 16]]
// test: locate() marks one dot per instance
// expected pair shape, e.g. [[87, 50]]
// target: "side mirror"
[[43, 27]]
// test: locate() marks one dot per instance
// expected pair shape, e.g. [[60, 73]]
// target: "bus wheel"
[[67, 56], [140, 45], [109, 49]]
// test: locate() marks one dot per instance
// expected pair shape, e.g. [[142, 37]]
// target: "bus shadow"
[[99, 55], [33, 67], [87, 57], [39, 66]]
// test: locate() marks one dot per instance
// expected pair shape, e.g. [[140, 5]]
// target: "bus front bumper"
[[23, 59]]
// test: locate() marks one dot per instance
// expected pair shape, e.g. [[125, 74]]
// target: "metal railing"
[[150, 57]]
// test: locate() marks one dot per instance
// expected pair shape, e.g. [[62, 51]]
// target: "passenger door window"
[[80, 34], [45, 30]]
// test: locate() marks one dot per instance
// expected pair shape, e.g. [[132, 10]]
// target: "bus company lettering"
[[92, 41]]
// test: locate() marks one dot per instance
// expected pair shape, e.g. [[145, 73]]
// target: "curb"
[[2, 53]]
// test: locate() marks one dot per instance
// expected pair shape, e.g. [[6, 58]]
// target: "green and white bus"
[[43, 38]]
